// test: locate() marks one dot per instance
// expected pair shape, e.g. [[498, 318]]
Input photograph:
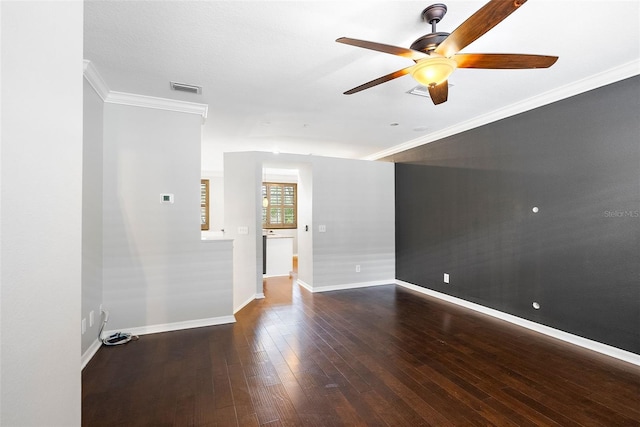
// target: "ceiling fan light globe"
[[433, 71]]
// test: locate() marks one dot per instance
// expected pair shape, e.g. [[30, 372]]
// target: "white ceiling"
[[273, 75]]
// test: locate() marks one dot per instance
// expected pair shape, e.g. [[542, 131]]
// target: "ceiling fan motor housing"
[[428, 43]]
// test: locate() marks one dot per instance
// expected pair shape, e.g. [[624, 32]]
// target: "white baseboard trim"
[[244, 304], [304, 285], [88, 355], [346, 285], [154, 329], [546, 330], [176, 326]]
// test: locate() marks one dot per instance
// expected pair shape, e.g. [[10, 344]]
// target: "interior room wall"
[[465, 206], [91, 214], [304, 247], [353, 199], [41, 212], [242, 176], [158, 273]]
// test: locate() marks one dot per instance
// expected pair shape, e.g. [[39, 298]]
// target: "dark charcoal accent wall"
[[464, 207]]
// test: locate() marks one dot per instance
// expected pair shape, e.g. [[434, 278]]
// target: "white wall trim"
[[244, 304], [93, 349], [546, 330], [346, 285], [613, 75], [95, 80], [98, 84], [144, 101], [176, 326], [304, 285], [260, 295], [88, 355]]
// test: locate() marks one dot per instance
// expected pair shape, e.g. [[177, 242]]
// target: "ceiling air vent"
[[420, 91], [183, 87]]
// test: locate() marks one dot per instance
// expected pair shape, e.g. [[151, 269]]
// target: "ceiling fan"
[[436, 54]]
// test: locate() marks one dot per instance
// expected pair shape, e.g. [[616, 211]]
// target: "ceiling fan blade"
[[487, 17], [393, 50], [379, 80], [503, 60], [439, 93]]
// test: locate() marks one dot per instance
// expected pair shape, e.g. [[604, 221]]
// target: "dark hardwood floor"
[[380, 356]]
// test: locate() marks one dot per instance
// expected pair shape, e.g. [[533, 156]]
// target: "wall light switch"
[[322, 228], [446, 277], [84, 325], [243, 230], [91, 319]]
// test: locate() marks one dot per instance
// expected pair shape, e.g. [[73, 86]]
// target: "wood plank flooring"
[[380, 356]]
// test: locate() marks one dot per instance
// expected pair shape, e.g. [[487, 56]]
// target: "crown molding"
[[98, 84], [144, 101], [95, 80], [595, 81]]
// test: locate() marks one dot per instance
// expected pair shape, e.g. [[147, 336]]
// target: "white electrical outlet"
[[446, 277], [84, 326], [91, 319], [357, 268]]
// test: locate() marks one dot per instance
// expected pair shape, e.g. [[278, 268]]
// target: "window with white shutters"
[[280, 208]]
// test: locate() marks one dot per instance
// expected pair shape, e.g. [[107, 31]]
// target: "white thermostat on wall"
[[166, 198]]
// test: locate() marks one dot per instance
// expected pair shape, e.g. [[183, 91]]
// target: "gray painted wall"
[[354, 200], [41, 213], [464, 207], [91, 214], [242, 175], [305, 217], [157, 270]]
